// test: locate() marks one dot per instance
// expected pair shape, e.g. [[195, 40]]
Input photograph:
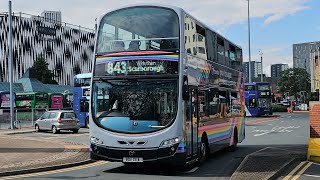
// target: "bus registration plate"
[[132, 159]]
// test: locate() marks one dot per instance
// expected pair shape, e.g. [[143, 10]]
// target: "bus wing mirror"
[[185, 92]]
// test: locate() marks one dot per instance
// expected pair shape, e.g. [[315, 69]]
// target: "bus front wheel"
[[87, 122]]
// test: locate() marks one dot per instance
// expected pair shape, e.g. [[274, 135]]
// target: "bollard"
[[314, 141], [32, 116]]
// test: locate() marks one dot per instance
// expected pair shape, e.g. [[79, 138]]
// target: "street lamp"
[[261, 53], [249, 41]]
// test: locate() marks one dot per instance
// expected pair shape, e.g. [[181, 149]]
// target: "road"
[[287, 131]]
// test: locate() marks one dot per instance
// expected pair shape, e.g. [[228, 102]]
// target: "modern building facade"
[[256, 70], [306, 55], [302, 54], [67, 49], [277, 68], [51, 16]]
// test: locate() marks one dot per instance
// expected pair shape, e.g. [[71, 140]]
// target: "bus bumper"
[[149, 155]]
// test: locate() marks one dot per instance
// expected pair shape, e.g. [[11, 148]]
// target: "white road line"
[[192, 170], [316, 176]]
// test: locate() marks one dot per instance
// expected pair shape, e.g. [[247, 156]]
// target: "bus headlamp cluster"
[[95, 140], [170, 142]]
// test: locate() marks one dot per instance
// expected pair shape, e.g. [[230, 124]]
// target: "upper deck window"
[[263, 87], [138, 28], [250, 88]]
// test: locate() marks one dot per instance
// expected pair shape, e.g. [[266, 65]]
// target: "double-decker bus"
[[68, 100], [56, 100], [5, 99], [258, 99], [165, 88], [34, 100], [81, 96]]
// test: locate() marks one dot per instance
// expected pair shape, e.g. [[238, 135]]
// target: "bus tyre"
[[233, 147], [54, 130], [36, 127], [87, 122], [202, 153], [75, 131]]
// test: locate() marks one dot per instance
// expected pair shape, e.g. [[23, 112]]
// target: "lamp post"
[[261, 53], [249, 41], [11, 67]]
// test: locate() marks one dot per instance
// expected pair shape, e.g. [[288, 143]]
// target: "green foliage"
[[313, 96], [41, 71], [279, 108], [294, 80]]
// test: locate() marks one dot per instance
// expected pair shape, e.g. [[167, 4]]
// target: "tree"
[[293, 81], [41, 71]]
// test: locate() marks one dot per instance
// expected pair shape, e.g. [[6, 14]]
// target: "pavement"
[[269, 163], [21, 155]]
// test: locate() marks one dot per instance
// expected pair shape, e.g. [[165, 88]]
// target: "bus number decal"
[[118, 67]]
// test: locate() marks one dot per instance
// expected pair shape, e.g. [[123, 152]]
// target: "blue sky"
[[275, 24]]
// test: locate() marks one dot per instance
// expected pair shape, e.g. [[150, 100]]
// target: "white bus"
[[165, 88]]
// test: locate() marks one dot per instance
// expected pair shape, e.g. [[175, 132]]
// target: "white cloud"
[[217, 12], [272, 54]]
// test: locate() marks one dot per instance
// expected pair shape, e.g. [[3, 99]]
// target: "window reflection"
[[117, 104], [140, 28]]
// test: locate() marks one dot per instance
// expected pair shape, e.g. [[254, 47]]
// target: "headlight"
[[170, 142], [95, 140]]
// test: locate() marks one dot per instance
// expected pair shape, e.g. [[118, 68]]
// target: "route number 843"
[[117, 67]]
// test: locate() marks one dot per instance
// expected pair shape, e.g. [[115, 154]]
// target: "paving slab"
[[268, 163], [22, 155]]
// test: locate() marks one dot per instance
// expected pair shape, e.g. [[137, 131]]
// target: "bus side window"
[[134, 45]]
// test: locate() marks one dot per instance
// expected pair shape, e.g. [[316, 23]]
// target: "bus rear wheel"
[[234, 146], [87, 122], [203, 153]]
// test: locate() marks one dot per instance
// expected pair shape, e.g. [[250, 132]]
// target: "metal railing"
[[23, 117]]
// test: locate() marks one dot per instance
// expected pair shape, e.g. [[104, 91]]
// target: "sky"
[[274, 24]]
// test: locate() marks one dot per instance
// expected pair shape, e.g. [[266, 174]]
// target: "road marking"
[[302, 171], [311, 175], [56, 171], [276, 129], [294, 171], [192, 170]]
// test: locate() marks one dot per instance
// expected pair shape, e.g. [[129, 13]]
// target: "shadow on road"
[[219, 164]]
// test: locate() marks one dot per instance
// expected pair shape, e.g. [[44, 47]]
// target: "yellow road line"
[[302, 171], [294, 171], [56, 171]]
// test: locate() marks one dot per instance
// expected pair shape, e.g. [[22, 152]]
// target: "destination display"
[[136, 67], [137, 63]]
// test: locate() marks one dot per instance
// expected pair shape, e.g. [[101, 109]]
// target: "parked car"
[[58, 120], [284, 103]]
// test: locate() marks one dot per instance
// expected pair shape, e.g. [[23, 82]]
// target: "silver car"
[[58, 120]]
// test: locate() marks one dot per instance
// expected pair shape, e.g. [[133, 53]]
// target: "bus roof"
[[179, 10], [83, 75], [255, 83], [32, 93]]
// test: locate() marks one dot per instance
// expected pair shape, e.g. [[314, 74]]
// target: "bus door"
[[192, 123]]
